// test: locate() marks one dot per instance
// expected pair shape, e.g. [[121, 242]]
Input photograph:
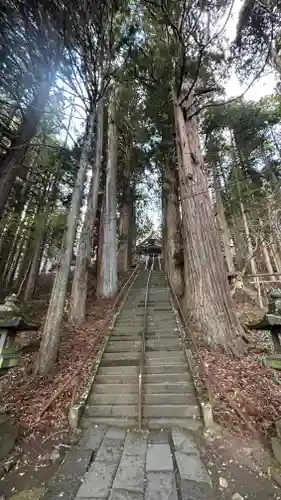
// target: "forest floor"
[[44, 434], [245, 399], [245, 392]]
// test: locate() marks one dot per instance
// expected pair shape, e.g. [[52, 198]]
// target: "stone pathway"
[[168, 395], [117, 464]]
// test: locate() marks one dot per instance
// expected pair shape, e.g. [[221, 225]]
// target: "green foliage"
[[144, 225]]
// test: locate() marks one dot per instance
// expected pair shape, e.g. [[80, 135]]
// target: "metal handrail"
[[188, 331], [144, 331], [159, 263]]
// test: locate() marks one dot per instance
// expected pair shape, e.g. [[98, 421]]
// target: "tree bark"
[[223, 225], [80, 279], [20, 143], [132, 231], [267, 260], [37, 253], [276, 257], [100, 272], [109, 285], [173, 240], [123, 252], [51, 334], [208, 299]]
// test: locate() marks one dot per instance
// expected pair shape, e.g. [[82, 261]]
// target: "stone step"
[[123, 323], [157, 304], [136, 337], [163, 344], [166, 378], [148, 399], [124, 346], [159, 327], [176, 354], [119, 389], [168, 388], [118, 356], [89, 422], [115, 379], [119, 370], [168, 410], [154, 334], [111, 410], [128, 331], [112, 399], [166, 423], [165, 368], [129, 321], [171, 323], [169, 360], [124, 337]]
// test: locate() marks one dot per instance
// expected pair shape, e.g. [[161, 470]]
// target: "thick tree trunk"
[[37, 255], [208, 299], [276, 257], [132, 234], [16, 257], [25, 259], [173, 243], [51, 334], [109, 286], [222, 224], [80, 279], [267, 260], [99, 266], [251, 252], [164, 230], [123, 252], [9, 169]]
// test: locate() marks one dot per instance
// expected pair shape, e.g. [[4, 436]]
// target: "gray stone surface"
[[192, 490], [110, 451], [159, 458], [93, 438], [184, 442], [98, 481], [135, 443], [125, 495], [130, 474], [158, 436], [69, 475], [160, 486], [191, 467], [116, 433]]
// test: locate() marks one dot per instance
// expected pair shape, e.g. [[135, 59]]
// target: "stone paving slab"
[[132, 465], [110, 450], [125, 495], [191, 468], [184, 442], [159, 458], [67, 480], [156, 436], [98, 481], [130, 474], [136, 443], [160, 486], [116, 433], [194, 490], [93, 438]]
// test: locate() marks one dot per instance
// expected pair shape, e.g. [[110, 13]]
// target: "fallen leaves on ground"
[[25, 393], [252, 387]]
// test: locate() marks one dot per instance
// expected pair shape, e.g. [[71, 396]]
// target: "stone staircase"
[[168, 392], [169, 398]]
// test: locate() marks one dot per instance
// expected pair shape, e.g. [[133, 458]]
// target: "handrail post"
[[144, 331]]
